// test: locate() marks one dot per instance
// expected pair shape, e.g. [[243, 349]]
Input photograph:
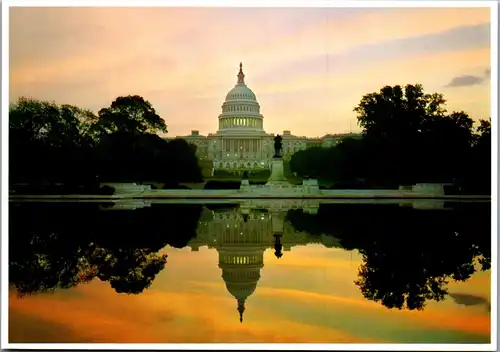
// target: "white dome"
[[240, 92], [241, 111]]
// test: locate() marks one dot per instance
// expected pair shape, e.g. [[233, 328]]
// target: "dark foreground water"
[[89, 272]]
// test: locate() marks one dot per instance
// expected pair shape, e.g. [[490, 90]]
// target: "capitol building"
[[241, 142]]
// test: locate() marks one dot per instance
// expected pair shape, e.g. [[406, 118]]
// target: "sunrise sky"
[[309, 67]]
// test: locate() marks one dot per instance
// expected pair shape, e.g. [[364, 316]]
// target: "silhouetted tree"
[[408, 137], [62, 144], [131, 114], [411, 138], [50, 143]]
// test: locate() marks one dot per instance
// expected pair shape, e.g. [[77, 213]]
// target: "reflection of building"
[[241, 256], [241, 236], [241, 142]]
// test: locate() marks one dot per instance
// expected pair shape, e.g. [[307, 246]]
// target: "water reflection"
[[60, 245], [408, 256]]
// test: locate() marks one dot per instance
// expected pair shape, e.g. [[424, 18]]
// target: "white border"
[[6, 4], [245, 3], [4, 285], [494, 174]]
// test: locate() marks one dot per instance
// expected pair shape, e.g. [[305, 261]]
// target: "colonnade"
[[232, 122]]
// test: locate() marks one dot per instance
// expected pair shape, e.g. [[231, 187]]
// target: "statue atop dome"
[[277, 146], [241, 75]]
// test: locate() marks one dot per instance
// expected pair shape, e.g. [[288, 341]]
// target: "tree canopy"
[[407, 137], [130, 114], [51, 143]]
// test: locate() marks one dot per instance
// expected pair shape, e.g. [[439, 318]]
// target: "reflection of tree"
[[42, 256], [128, 271], [62, 245], [408, 255], [381, 281]]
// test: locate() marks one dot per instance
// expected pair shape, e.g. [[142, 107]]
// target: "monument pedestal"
[[277, 172]]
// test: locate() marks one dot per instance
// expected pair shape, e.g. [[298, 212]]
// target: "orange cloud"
[[444, 319], [99, 315]]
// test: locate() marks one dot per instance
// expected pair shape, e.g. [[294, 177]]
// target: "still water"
[[275, 271]]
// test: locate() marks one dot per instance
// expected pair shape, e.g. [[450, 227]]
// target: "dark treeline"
[[408, 255], [63, 144], [408, 137], [60, 245]]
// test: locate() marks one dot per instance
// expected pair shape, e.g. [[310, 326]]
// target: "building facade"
[[241, 143]]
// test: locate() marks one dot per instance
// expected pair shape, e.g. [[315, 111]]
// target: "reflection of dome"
[[241, 269], [241, 290]]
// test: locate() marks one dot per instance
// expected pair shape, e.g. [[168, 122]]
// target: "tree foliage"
[[130, 114], [51, 144], [408, 137]]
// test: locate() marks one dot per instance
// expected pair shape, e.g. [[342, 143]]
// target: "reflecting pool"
[[253, 271]]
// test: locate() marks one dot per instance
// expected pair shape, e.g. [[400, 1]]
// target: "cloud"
[[368, 55], [157, 316], [469, 80], [36, 329], [466, 80]]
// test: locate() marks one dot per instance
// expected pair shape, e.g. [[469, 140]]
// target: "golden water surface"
[[308, 295]]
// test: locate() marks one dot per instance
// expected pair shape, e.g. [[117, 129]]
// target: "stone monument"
[[277, 170]]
